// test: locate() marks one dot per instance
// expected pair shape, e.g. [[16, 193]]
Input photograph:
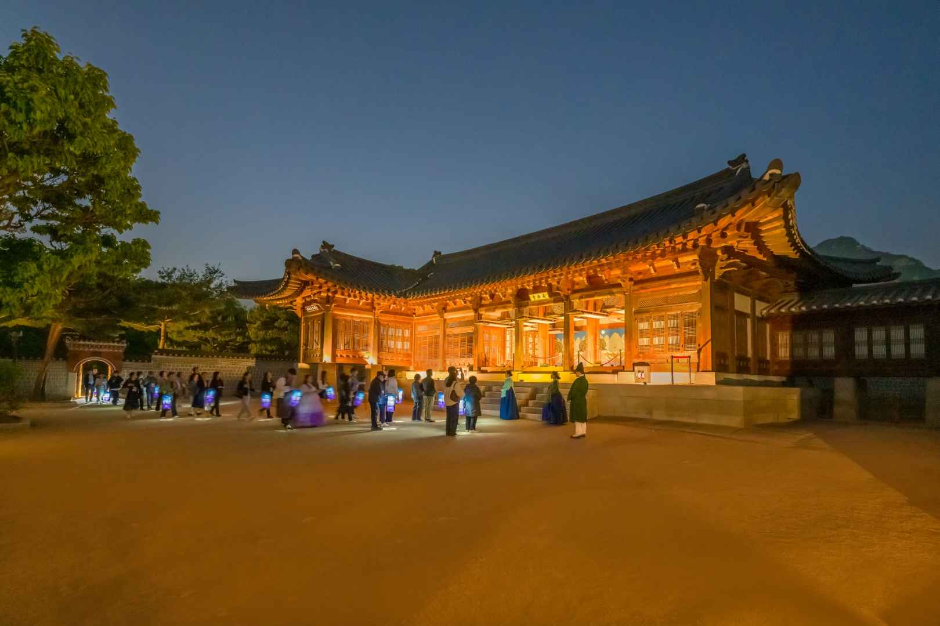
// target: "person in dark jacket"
[[114, 386], [430, 390], [417, 396], [219, 385], [267, 386], [243, 392], [471, 398], [345, 397], [376, 398], [90, 384]]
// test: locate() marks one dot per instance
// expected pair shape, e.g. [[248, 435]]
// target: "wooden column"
[[707, 262], [477, 340], [302, 356], [518, 348], [544, 345], [374, 335], [443, 346], [753, 335], [593, 354], [326, 346], [567, 355], [732, 314], [629, 326]]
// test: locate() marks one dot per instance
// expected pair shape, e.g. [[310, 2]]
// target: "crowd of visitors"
[[300, 405]]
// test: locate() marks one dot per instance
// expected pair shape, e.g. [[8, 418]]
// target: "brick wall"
[[57, 378]]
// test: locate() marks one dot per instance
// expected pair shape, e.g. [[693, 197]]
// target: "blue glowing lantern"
[[166, 401], [156, 392], [463, 407], [330, 393], [358, 398], [266, 401], [210, 397], [294, 398], [440, 399], [106, 396], [401, 394], [390, 403]]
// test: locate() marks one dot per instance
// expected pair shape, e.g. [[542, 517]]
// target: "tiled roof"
[[880, 295], [598, 236], [358, 273], [582, 240], [248, 289]]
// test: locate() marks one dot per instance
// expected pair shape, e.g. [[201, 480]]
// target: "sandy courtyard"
[[109, 521]]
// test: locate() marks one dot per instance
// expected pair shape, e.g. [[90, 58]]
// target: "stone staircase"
[[527, 395], [533, 410]]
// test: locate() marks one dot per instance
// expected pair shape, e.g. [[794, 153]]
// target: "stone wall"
[[725, 405], [230, 367], [57, 378]]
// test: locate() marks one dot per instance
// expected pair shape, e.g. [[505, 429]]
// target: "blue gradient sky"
[[394, 129]]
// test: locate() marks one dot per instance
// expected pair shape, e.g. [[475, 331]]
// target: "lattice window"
[[812, 345], [658, 322], [673, 331], [916, 332], [353, 334], [509, 344], [395, 338], [897, 342], [690, 331], [783, 345], [878, 347], [427, 352], [828, 344], [798, 345], [459, 346], [861, 342], [644, 335]]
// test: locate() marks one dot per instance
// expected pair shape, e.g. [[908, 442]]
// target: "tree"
[[274, 331], [182, 305], [66, 191]]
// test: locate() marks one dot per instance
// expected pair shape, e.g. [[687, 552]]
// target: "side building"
[[685, 282]]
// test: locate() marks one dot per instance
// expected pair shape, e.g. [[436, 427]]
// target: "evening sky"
[[393, 129]]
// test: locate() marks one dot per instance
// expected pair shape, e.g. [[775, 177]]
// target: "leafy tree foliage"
[[182, 305], [274, 331], [66, 192]]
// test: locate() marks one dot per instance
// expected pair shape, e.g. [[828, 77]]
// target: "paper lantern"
[[166, 402], [266, 400], [330, 393], [401, 394], [440, 399], [463, 408], [210, 397], [358, 398], [390, 403], [106, 396], [156, 393]]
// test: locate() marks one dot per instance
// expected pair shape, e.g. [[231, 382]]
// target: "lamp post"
[[15, 338]]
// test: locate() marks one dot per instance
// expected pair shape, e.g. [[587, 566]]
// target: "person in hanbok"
[[554, 412], [310, 409], [577, 396], [508, 408], [198, 386], [131, 395], [471, 399]]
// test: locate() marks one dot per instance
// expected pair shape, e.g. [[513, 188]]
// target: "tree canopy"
[[67, 192], [274, 331]]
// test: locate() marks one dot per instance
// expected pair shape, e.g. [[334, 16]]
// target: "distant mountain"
[[909, 267]]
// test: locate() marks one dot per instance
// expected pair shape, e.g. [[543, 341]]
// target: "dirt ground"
[[113, 521]]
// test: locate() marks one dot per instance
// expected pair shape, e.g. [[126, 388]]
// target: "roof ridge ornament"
[[434, 256], [774, 168], [739, 164]]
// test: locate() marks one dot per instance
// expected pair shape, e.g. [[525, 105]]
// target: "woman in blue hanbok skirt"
[[508, 409], [554, 411]]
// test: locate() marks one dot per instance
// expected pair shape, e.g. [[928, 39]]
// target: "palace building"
[[704, 283]]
